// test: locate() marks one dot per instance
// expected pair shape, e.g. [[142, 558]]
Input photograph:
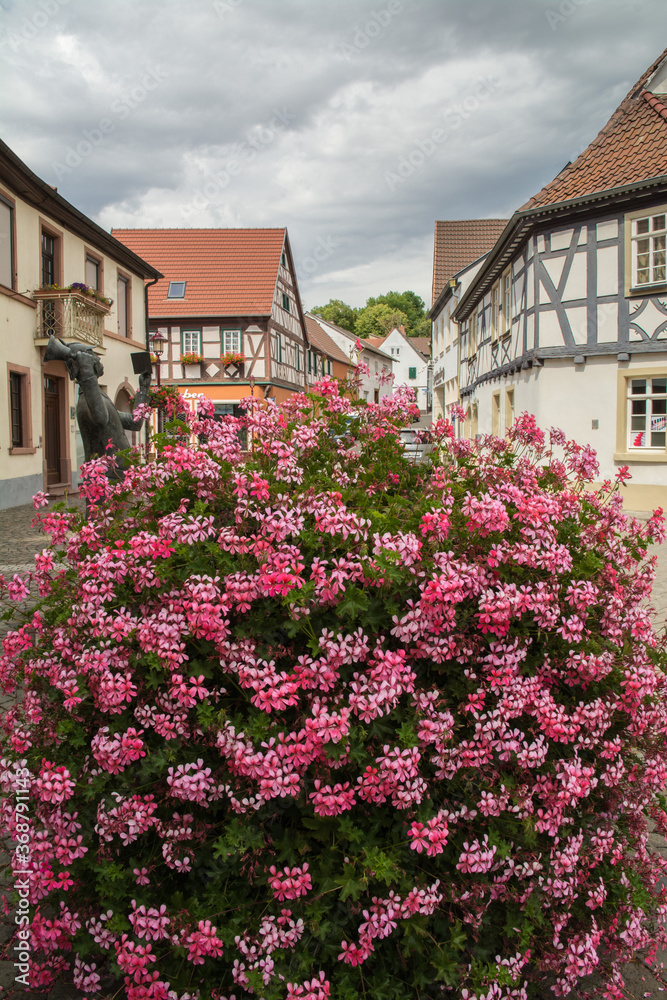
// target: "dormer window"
[[176, 290], [658, 82]]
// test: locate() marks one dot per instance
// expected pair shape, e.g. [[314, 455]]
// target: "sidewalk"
[[19, 542]]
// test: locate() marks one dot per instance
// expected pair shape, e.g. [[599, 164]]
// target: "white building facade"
[[445, 341], [410, 366], [372, 387]]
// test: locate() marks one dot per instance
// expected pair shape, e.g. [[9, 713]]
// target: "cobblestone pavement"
[[19, 542]]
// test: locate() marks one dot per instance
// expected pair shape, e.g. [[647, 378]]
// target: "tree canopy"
[[338, 312], [380, 314], [379, 320]]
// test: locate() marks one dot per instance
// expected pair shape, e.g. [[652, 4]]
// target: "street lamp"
[[157, 341]]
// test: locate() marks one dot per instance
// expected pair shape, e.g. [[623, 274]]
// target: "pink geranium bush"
[[313, 721]]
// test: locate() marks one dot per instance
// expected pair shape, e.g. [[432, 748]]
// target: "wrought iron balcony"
[[69, 315]]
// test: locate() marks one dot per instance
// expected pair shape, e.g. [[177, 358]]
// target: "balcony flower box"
[[234, 364], [192, 363]]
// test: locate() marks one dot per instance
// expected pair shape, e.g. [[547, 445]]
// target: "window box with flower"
[[233, 362], [191, 361]]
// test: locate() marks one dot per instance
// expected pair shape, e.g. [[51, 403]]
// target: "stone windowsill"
[[637, 456]]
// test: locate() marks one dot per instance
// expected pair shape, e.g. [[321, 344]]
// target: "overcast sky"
[[355, 123]]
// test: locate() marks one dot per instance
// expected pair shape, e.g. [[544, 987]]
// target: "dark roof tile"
[[632, 147], [459, 243]]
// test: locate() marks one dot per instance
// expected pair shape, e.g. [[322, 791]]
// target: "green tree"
[[421, 329], [378, 320], [338, 312], [408, 303]]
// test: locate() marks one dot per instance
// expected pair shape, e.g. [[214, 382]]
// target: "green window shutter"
[[412, 373], [310, 361]]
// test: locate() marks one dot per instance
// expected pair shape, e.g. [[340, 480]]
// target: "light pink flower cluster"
[[247, 639], [290, 883]]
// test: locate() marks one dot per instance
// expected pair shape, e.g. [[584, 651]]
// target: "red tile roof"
[[459, 243], [631, 147], [229, 272], [322, 340], [352, 337], [422, 344]]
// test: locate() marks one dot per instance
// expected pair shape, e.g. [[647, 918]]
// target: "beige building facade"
[[46, 245]]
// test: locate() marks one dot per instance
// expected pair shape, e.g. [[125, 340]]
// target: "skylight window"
[[176, 290]]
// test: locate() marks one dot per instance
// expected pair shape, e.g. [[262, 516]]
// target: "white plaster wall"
[[408, 357], [561, 240], [607, 282], [575, 283], [571, 397]]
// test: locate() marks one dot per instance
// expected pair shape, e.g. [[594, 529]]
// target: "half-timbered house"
[[229, 310], [376, 384], [459, 249], [324, 356], [567, 317]]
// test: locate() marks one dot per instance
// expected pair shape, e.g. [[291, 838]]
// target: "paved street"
[[18, 543]]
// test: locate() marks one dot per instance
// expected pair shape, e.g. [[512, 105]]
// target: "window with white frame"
[[649, 248], [647, 413], [231, 341], [191, 342]]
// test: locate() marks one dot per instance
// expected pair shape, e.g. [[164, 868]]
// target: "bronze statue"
[[99, 420]]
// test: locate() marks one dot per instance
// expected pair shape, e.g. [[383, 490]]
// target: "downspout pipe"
[[147, 285]]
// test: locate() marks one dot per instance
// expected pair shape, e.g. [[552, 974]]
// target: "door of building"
[[52, 441]]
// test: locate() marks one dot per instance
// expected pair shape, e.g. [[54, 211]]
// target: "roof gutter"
[[442, 298], [522, 222]]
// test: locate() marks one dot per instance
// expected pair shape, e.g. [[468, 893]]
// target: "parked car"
[[416, 446]]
